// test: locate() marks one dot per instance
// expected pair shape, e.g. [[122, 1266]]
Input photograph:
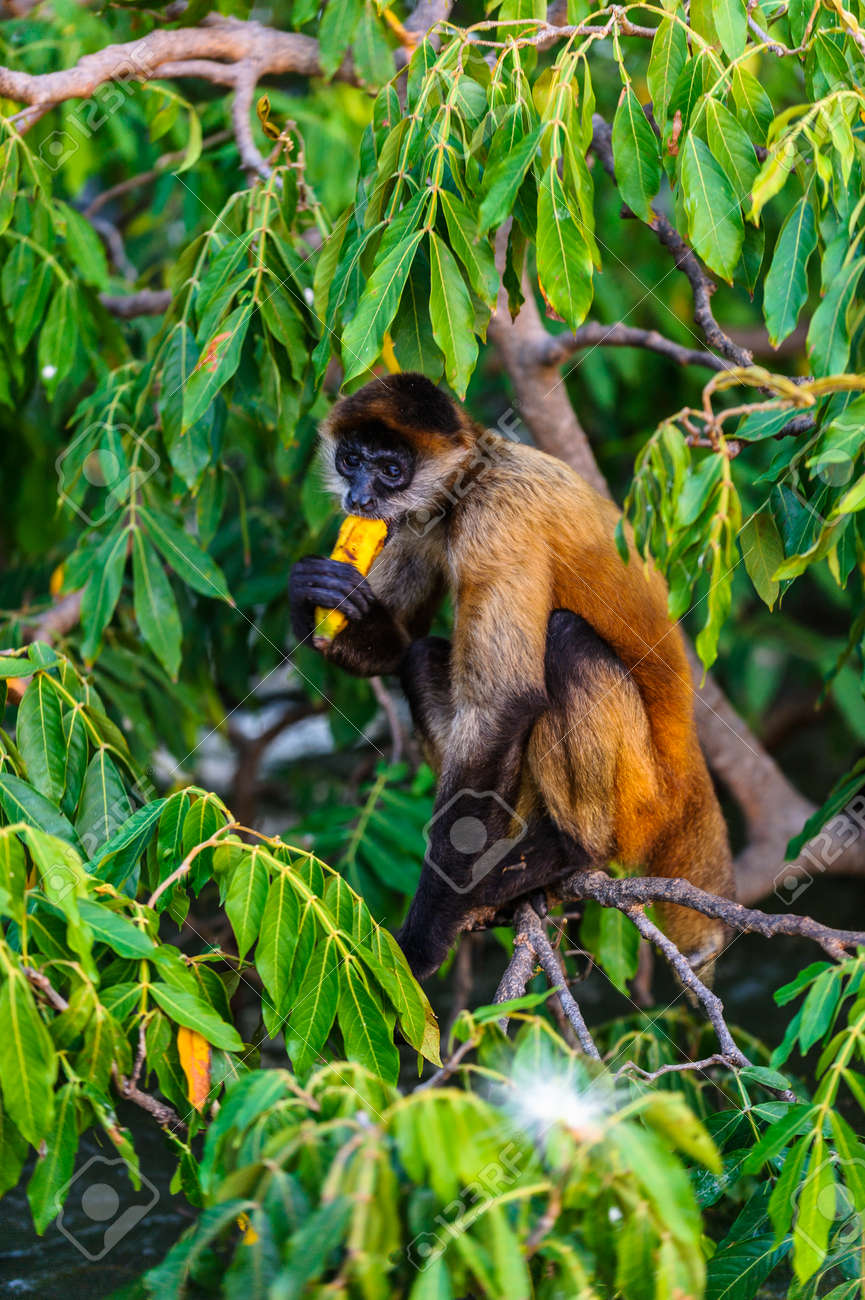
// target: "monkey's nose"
[[360, 501]]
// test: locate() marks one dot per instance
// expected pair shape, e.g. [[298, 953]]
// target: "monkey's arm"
[[385, 613]]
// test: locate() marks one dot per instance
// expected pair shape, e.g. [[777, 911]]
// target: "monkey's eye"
[[351, 460], [391, 469]]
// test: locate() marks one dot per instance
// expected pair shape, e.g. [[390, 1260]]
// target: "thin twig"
[[450, 1066], [388, 706], [179, 872], [44, 985]]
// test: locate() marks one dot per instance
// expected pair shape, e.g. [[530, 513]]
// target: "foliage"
[[182, 449], [441, 1192]]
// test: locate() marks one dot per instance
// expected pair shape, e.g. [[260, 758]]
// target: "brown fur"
[[615, 761]]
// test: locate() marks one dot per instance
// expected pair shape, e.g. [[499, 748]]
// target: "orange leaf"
[[194, 1052]]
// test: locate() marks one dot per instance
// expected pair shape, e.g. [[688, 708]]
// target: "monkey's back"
[[561, 532]]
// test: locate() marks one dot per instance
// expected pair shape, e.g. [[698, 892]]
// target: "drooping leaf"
[[669, 52], [452, 315], [49, 1183], [762, 552], [155, 607], [715, 223], [364, 334], [194, 1052], [28, 1062], [636, 154], [39, 736], [563, 256], [785, 289], [191, 564]]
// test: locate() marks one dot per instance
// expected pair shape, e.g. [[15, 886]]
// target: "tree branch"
[[556, 348], [146, 302], [702, 287], [531, 943]]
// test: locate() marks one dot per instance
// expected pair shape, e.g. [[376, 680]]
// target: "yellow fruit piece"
[[359, 542]]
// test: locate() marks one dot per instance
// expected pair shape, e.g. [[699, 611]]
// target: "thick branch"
[[230, 40], [146, 302]]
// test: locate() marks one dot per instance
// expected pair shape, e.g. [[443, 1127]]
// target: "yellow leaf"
[[194, 1052]]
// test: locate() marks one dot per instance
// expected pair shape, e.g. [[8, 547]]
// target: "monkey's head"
[[390, 448]]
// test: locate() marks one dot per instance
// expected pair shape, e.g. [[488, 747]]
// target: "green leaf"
[[778, 1136], [48, 1186], [715, 223], [819, 1008], [815, 1213], [58, 338], [74, 758], [115, 930], [363, 336], [731, 24], [116, 859], [737, 1271], [219, 359], [731, 148], [669, 52], [636, 153], [753, 105], [474, 253], [28, 1062], [103, 590], [785, 290], [335, 32], [104, 803], [762, 552], [563, 256], [85, 248], [8, 180], [502, 181], [193, 1012], [191, 564], [21, 803], [452, 316], [29, 305], [13, 867], [828, 335], [155, 607], [245, 900], [314, 1008], [613, 940], [277, 943], [364, 1029], [772, 177], [39, 736]]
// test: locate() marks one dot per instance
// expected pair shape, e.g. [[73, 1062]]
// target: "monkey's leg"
[[474, 827]]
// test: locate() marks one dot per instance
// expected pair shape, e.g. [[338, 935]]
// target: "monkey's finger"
[[331, 596], [324, 566]]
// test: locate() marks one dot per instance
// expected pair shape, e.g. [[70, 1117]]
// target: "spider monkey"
[[560, 718]]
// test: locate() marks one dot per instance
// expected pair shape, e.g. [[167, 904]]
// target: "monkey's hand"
[[372, 643]]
